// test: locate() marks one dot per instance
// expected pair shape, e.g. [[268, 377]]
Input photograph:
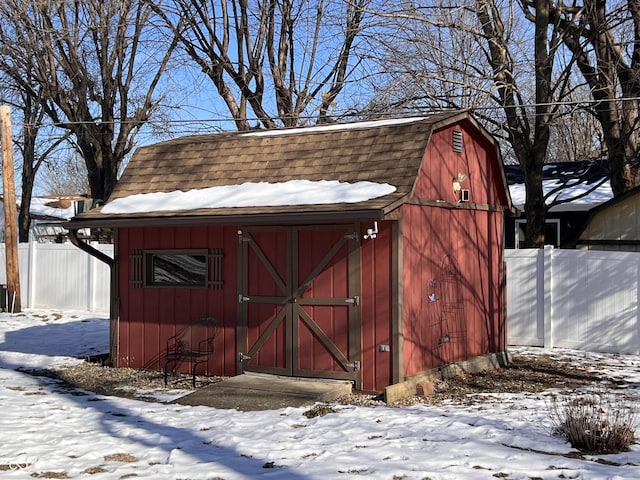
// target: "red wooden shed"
[[399, 271]]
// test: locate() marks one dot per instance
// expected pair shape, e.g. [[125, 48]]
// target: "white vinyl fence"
[[585, 300], [60, 275]]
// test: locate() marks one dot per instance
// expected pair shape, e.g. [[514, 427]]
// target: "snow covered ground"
[[49, 432]]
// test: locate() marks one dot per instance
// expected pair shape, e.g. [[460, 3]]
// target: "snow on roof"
[[600, 195], [331, 127], [293, 192], [51, 208]]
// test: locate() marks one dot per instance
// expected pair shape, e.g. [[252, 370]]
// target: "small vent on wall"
[[457, 141]]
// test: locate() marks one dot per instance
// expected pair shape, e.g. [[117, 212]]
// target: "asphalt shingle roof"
[[388, 151]]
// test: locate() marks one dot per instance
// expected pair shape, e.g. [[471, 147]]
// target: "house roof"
[[51, 207], [385, 152], [577, 186], [589, 171]]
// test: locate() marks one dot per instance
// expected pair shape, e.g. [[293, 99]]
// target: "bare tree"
[[34, 154], [278, 61], [94, 67], [431, 57], [486, 56], [576, 136], [606, 43], [67, 175], [32, 149]]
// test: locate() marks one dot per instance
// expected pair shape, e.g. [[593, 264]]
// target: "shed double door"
[[299, 313]]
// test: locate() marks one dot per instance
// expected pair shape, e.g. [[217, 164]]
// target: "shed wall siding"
[[148, 316], [477, 161], [452, 306]]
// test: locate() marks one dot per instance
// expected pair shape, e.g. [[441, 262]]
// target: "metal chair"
[[193, 344]]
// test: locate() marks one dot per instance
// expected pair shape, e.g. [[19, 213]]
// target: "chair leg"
[[193, 373], [166, 367]]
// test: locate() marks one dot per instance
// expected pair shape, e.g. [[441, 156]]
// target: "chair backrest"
[[198, 336]]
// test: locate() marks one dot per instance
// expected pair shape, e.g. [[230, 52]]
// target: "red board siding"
[[148, 316], [431, 238], [477, 161], [452, 256]]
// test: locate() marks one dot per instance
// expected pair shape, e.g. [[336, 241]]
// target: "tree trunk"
[[529, 142], [534, 204], [28, 176], [613, 76]]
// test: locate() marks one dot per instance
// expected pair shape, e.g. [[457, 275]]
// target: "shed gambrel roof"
[[386, 151]]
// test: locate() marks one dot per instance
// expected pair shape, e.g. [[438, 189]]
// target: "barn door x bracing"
[[299, 297]]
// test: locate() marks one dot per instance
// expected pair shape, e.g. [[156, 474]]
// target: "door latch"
[[353, 301]]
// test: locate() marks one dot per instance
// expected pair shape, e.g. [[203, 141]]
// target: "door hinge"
[[243, 357], [353, 301], [243, 299], [352, 236], [355, 365]]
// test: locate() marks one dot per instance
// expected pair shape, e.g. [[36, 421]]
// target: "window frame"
[[149, 264], [547, 222]]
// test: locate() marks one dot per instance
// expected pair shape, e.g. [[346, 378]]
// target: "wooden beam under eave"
[[397, 291], [428, 202]]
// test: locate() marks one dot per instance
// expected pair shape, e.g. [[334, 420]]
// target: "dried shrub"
[[120, 457], [594, 422], [319, 411], [94, 470]]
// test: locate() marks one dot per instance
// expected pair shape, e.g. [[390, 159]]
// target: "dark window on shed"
[[179, 268]]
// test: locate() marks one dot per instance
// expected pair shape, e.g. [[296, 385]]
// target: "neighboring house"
[[47, 211], [580, 185], [613, 225], [369, 251]]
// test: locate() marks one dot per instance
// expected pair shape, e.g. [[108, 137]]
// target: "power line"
[[159, 124]]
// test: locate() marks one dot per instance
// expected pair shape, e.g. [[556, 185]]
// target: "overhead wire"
[[409, 111]]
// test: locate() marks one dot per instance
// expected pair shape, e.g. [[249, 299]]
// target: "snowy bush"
[[594, 422]]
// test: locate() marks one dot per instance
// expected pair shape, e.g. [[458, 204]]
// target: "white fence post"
[[547, 295], [32, 273], [90, 284]]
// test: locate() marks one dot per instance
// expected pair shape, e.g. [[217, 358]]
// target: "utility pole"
[[10, 212]]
